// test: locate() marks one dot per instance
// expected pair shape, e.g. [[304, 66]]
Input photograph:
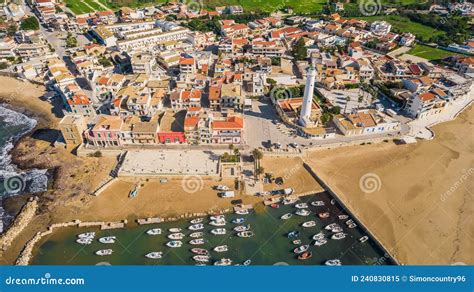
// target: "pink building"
[[106, 132]]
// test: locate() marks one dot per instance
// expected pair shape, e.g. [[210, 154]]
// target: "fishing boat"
[[223, 262], [104, 252], [338, 236], [176, 236], [174, 230], [301, 206], [198, 226], [238, 220], [174, 243], [303, 212], [286, 216], [293, 234], [317, 203], [319, 235], [320, 242], [242, 212], [287, 201], [334, 262], [297, 241], [323, 215], [84, 241], [336, 229], [247, 263], [352, 225], [200, 251], [197, 221], [331, 226], [196, 234], [241, 228], [107, 239], [221, 248], [308, 224], [201, 258], [154, 231], [217, 223], [364, 238], [275, 206], [154, 255], [217, 217], [304, 256], [301, 249], [218, 231], [245, 234], [197, 241], [343, 217], [86, 235]]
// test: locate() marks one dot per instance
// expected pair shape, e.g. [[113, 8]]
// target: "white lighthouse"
[[306, 107]]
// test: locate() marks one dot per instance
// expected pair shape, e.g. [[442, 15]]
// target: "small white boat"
[[176, 236], [320, 242], [201, 258], [238, 221], [333, 201], [200, 251], [338, 236], [364, 238], [287, 201], [286, 216], [242, 212], [247, 263], [217, 223], [198, 226], [317, 203], [154, 255], [197, 221], [331, 226], [221, 248], [352, 225], [217, 217], [301, 249], [301, 206], [197, 241], [174, 243], [337, 229], [154, 231], [297, 241], [241, 228], [218, 231], [303, 212], [174, 230], [308, 224], [223, 262], [350, 221], [196, 234], [245, 234], [343, 217], [107, 239], [334, 262], [318, 236], [87, 235], [84, 241], [222, 188], [104, 252]]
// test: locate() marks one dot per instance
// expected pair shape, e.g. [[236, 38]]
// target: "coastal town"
[[179, 98]]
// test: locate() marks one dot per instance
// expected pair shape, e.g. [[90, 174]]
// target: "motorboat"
[[198, 226], [221, 248], [303, 212], [154, 255], [247, 263], [301, 206], [317, 203], [238, 220], [84, 241], [334, 262], [301, 249], [217, 217], [338, 236], [104, 252], [286, 216], [343, 217], [364, 238], [174, 243], [200, 251], [320, 242], [197, 221], [307, 224], [107, 239], [323, 215], [222, 188], [154, 231], [242, 212], [331, 226], [223, 262], [319, 235], [218, 231], [245, 234], [176, 236], [333, 201], [287, 201], [352, 225], [337, 229], [297, 241], [293, 234], [174, 230], [87, 235], [197, 241], [217, 223], [196, 234], [241, 228], [201, 258], [275, 206], [305, 255]]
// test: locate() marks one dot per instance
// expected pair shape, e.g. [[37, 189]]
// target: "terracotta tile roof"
[[230, 123], [427, 96]]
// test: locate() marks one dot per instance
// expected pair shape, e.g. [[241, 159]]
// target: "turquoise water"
[[269, 246]]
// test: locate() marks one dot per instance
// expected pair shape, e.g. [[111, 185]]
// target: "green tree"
[[299, 51], [71, 41], [30, 23], [12, 29], [257, 154]]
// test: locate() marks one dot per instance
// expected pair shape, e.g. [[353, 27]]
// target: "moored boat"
[[198, 226], [293, 234], [286, 216], [343, 217], [221, 248], [223, 262], [338, 236], [200, 251], [154, 231], [319, 242], [176, 236], [247, 262], [334, 262], [197, 241], [84, 241], [154, 255], [201, 258], [218, 231], [317, 203], [238, 220], [174, 230], [174, 243], [86, 235], [303, 212], [217, 223], [308, 224], [301, 249], [301, 206], [319, 235], [331, 226], [241, 228], [364, 238], [323, 215], [197, 221], [242, 212], [297, 241], [245, 234], [275, 206], [352, 225], [196, 234], [107, 239], [287, 201], [305, 255], [217, 217], [104, 252], [337, 229]]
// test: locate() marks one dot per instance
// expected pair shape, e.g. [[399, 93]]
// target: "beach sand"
[[421, 205]]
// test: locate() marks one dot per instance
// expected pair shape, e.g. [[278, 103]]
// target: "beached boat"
[[324, 215], [200, 251], [308, 224], [303, 212], [320, 242], [222, 188], [286, 216], [247, 263], [241, 228], [334, 262], [343, 217], [201, 258], [154, 231], [297, 241], [331, 226], [197, 241], [217, 217], [238, 220], [87, 235], [287, 201], [154, 255], [364, 238], [107, 239], [317, 203], [84, 241], [197, 221], [133, 193], [245, 234], [306, 255], [242, 212], [217, 223], [301, 249], [319, 235], [196, 234], [293, 234], [174, 243], [338, 236], [176, 236], [198, 226], [275, 206], [104, 252], [174, 230], [218, 231], [301, 206], [221, 248], [223, 262]]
